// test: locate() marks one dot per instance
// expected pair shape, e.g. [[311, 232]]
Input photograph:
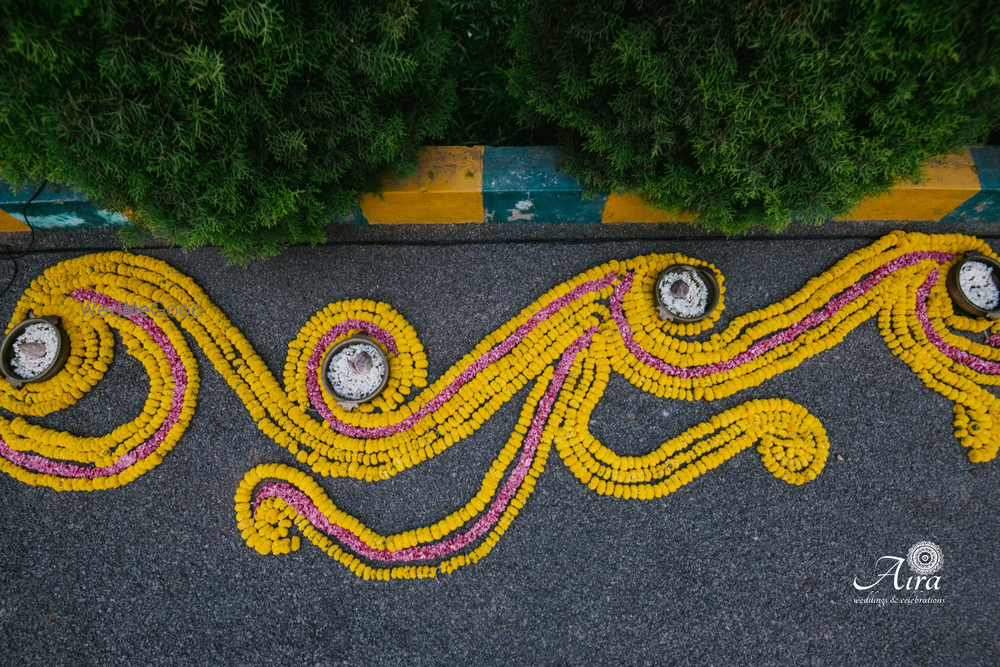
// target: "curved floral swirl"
[[564, 346]]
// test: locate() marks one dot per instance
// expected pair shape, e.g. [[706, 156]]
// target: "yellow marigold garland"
[[565, 345]]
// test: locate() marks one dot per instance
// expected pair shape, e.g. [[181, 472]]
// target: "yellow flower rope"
[[563, 346]]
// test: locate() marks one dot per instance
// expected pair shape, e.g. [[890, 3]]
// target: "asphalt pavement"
[[735, 568]]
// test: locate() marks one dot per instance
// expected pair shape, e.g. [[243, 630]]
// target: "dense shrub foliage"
[[751, 112], [489, 114], [241, 123], [250, 124]]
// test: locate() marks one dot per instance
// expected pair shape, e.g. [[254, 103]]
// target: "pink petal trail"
[[442, 397], [304, 505], [961, 356], [178, 372], [765, 344]]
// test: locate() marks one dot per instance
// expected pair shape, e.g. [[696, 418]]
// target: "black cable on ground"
[[31, 241]]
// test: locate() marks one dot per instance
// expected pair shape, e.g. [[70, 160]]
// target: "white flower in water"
[[361, 363], [356, 371], [684, 293], [976, 280], [34, 350], [679, 289]]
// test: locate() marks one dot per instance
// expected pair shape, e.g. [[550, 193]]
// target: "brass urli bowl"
[[955, 287], [344, 402], [7, 351], [706, 276]]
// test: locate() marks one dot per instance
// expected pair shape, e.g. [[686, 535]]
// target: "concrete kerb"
[[497, 185]]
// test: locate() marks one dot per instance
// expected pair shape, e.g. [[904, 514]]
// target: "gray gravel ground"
[[736, 568]]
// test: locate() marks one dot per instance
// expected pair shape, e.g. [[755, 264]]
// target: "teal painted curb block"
[[355, 218], [56, 207], [984, 206], [529, 185]]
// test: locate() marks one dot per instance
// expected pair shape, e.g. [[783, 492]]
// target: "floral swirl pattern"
[[563, 347]]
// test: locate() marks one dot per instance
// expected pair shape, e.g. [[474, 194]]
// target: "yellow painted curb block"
[[9, 223], [632, 208], [950, 181], [447, 187]]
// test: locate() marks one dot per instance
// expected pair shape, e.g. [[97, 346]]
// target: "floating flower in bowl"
[[354, 371], [686, 293], [974, 285], [33, 351]]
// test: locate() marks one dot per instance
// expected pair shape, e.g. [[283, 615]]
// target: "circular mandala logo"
[[925, 558]]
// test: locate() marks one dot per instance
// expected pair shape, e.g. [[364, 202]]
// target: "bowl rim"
[[955, 286], [7, 348], [710, 281], [349, 403]]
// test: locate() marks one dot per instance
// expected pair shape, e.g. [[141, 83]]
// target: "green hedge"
[[252, 124], [238, 123], [752, 112], [481, 59]]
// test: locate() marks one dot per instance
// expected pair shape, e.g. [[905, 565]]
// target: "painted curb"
[[500, 185], [446, 187], [530, 185], [55, 207]]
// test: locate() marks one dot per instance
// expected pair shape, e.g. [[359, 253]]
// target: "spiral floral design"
[[563, 348]]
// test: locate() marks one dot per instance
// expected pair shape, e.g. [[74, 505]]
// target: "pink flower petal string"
[[443, 396], [765, 344], [961, 356], [178, 373], [304, 505]]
